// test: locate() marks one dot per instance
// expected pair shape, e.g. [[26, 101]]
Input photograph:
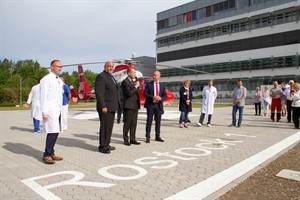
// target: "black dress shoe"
[[147, 140], [104, 150], [127, 143], [111, 148], [159, 139], [134, 142]]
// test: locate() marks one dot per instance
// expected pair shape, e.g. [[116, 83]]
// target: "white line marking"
[[216, 182], [142, 114], [240, 135]]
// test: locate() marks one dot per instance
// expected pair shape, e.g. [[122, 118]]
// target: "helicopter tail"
[[73, 94], [81, 74]]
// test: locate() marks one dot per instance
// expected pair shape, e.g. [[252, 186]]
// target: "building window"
[[266, 63], [231, 4], [202, 13], [256, 64], [208, 11], [244, 26], [225, 29], [200, 34], [266, 21], [290, 61], [256, 23], [235, 27], [218, 31], [207, 33], [278, 62], [278, 19], [290, 16]]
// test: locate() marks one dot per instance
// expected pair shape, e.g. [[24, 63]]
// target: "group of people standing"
[[50, 99], [109, 102], [209, 95], [284, 101]]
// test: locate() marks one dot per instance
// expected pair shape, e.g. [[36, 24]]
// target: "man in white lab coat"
[[209, 94], [51, 89], [34, 100]]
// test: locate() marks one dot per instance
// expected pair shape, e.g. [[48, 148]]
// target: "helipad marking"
[[241, 135], [142, 114], [216, 182]]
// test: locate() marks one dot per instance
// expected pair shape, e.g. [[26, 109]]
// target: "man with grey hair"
[[288, 93]]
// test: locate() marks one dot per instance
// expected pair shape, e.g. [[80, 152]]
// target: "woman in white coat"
[[209, 94], [51, 87], [36, 113]]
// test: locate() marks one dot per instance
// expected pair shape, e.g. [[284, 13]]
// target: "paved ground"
[[212, 159]]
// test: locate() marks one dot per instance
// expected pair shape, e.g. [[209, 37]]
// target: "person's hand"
[[235, 101], [188, 102], [26, 105], [45, 117], [158, 98], [137, 84], [104, 110]]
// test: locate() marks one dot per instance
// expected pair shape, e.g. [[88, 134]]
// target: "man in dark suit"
[[108, 102], [155, 94], [131, 106]]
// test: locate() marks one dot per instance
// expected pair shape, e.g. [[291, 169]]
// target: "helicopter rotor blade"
[[90, 63]]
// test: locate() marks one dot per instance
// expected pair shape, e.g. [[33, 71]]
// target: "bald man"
[[155, 94], [108, 103]]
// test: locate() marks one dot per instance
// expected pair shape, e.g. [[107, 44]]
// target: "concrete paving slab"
[[289, 174], [147, 171]]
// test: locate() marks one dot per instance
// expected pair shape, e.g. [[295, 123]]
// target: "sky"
[[79, 31]]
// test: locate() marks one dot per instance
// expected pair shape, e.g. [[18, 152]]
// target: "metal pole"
[[20, 92]]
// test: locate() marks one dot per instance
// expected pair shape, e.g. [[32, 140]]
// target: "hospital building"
[[226, 40]]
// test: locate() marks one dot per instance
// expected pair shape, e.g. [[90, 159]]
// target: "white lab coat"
[[34, 100], [51, 89], [209, 95]]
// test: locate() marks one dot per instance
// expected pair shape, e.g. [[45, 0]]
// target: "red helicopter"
[[120, 73]]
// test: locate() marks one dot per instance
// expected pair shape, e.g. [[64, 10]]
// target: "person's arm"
[[29, 99], [68, 92], [127, 90], [164, 93], [181, 94], [44, 88], [100, 92], [147, 93], [295, 96]]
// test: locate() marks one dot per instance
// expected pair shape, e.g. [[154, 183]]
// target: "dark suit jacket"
[[149, 94], [183, 107], [131, 95], [106, 93]]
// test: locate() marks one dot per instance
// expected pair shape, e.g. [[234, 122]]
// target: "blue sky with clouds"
[[79, 31]]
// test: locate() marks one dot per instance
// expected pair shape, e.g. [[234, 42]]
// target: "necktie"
[[156, 90], [113, 79]]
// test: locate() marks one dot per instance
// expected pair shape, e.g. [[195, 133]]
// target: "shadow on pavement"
[[87, 136], [68, 142], [22, 129], [24, 149]]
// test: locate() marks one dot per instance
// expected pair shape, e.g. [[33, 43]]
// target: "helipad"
[[192, 163]]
